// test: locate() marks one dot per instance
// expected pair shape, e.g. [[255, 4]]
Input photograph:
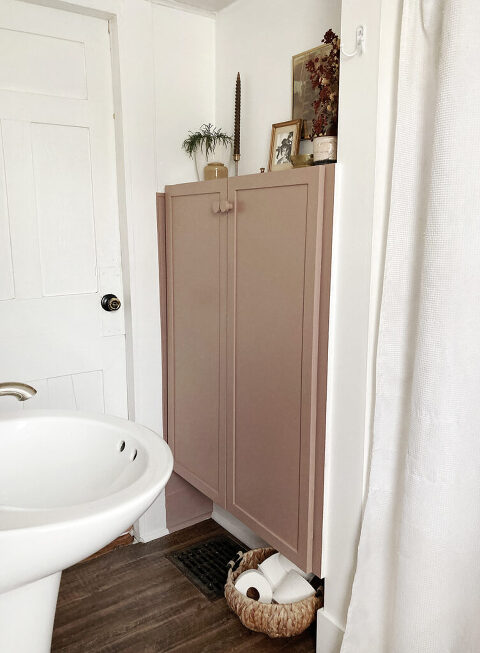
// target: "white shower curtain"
[[417, 584]]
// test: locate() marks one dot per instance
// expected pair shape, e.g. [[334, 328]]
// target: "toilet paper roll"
[[292, 589], [254, 579], [273, 571], [289, 566]]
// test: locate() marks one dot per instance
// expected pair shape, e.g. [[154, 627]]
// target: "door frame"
[[131, 46]]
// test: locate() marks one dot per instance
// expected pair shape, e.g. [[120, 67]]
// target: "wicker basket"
[[273, 619]]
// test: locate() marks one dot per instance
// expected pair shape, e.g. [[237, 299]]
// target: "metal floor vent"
[[205, 564]]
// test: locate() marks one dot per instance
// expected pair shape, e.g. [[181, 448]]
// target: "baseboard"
[[190, 522], [237, 528], [329, 634], [123, 540], [152, 535]]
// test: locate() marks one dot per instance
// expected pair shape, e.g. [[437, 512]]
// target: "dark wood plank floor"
[[134, 600]]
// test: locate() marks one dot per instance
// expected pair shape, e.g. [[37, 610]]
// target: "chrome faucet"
[[21, 391]]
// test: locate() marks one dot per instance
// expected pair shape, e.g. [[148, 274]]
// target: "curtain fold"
[[417, 583]]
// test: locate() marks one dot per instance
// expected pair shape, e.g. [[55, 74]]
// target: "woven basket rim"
[[233, 575]]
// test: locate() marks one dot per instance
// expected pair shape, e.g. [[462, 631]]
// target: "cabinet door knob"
[[216, 207], [225, 206]]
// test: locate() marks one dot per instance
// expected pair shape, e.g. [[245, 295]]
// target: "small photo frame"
[[285, 142]]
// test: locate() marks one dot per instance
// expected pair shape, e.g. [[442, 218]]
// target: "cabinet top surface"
[[280, 176]]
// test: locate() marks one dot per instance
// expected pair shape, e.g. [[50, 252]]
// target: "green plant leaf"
[[205, 140]]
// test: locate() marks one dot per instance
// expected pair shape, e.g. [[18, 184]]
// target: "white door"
[[59, 227]]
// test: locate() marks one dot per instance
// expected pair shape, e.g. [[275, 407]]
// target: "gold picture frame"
[[303, 94], [285, 141]]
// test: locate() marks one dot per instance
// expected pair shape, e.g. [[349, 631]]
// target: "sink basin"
[[70, 483]]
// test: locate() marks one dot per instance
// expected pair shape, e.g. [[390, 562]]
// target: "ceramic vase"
[[324, 149], [215, 170], [220, 154]]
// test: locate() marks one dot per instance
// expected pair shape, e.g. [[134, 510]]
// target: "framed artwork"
[[285, 142], [303, 95]]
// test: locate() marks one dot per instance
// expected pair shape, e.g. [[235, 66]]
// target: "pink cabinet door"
[[196, 253], [275, 233]]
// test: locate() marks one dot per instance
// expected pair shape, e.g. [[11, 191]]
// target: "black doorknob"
[[110, 303]]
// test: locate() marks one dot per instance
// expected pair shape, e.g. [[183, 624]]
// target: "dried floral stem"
[[324, 75]]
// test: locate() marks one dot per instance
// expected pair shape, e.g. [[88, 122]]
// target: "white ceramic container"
[[324, 149]]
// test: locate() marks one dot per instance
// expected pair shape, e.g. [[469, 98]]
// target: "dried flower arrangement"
[[324, 76]]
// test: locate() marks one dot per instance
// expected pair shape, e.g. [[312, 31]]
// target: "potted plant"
[[208, 146], [324, 77]]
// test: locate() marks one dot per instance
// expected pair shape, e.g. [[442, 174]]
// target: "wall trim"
[[190, 522], [185, 6], [237, 528], [150, 535], [329, 634]]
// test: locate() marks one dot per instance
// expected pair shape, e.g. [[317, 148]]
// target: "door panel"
[[63, 191], [75, 391], [7, 286], [196, 297], [37, 63], [82, 391], [274, 249], [60, 243], [22, 215]]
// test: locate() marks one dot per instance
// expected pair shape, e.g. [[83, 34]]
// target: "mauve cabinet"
[[248, 272], [196, 252]]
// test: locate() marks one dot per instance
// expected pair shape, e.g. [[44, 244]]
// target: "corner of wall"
[[350, 352], [329, 634], [184, 88], [215, 49], [391, 17]]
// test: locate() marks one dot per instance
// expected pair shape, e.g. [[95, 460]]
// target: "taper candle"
[[236, 137]]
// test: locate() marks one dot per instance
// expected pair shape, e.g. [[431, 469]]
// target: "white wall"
[[184, 51], [258, 39], [366, 137], [349, 311]]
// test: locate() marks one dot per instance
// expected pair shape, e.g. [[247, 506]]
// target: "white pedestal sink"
[[69, 484]]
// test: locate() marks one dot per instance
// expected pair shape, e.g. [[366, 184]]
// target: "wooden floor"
[[135, 600]]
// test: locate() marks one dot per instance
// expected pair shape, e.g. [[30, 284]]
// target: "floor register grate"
[[206, 564]]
